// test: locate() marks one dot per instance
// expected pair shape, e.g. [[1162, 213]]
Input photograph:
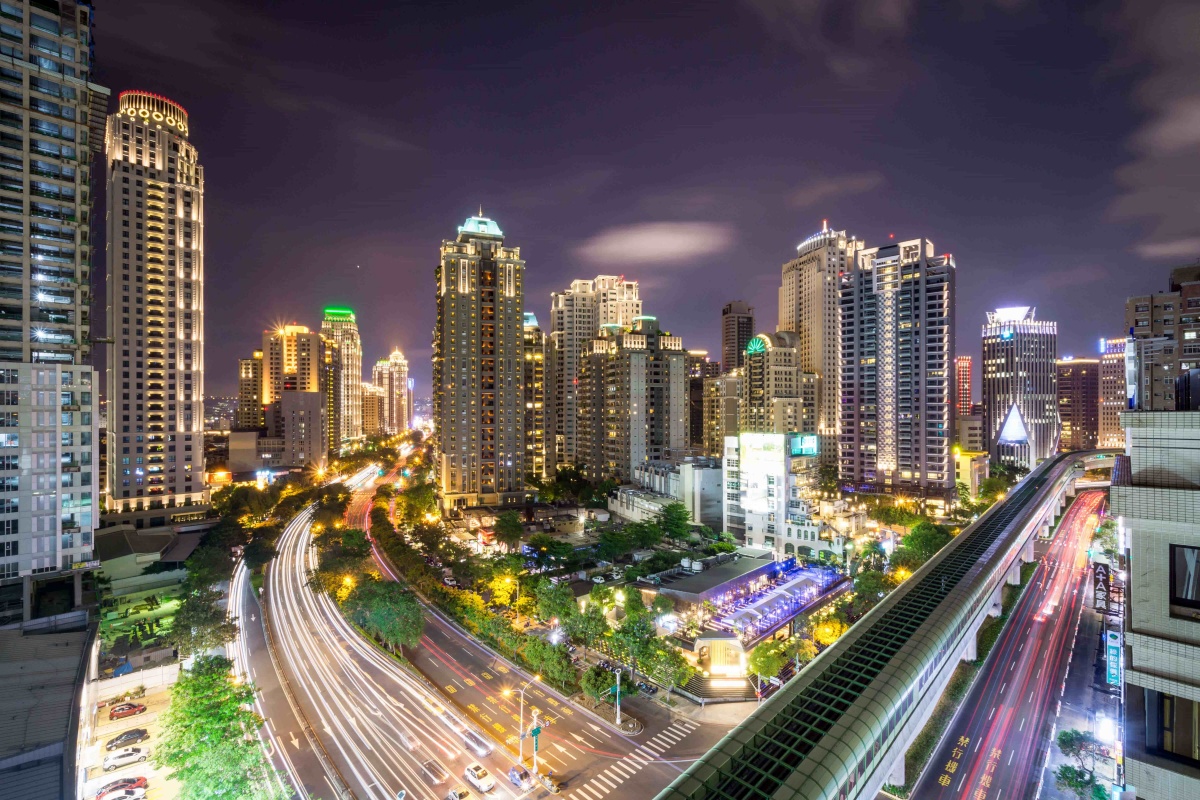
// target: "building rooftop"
[[125, 542], [482, 225], [707, 583]]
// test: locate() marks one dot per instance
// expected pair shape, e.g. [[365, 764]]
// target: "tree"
[[612, 544], [766, 661], [596, 683], [509, 530], [548, 551], [602, 596], [635, 605], [205, 739], [874, 557], [199, 624], [503, 588], [643, 535], [870, 587], [922, 543], [555, 600], [386, 611], [1077, 781], [670, 668], [209, 565], [827, 478], [632, 639], [801, 650], [551, 660], [587, 627], [829, 631], [1076, 744], [258, 552], [674, 520], [662, 605], [1106, 537]]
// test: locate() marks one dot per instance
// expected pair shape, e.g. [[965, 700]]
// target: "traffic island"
[[629, 724]]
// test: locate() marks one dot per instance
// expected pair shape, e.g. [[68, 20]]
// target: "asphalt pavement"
[[997, 743]]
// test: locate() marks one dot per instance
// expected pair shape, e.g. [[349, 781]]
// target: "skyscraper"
[[293, 361], [737, 328], [808, 305], [777, 395], [1112, 392], [391, 375], [331, 387], [55, 115], [633, 395], [962, 385], [1166, 327], [538, 377], [340, 327], [722, 399], [478, 344], [1020, 392], [250, 393], [896, 415], [373, 409], [1079, 403], [156, 305], [576, 317], [699, 369]]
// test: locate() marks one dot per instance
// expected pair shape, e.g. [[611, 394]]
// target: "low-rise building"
[[970, 432], [695, 482], [970, 469]]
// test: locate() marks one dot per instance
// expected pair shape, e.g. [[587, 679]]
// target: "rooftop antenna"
[[481, 209], [824, 226]]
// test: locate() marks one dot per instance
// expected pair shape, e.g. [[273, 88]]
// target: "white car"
[[123, 758], [479, 777], [460, 793], [123, 794]]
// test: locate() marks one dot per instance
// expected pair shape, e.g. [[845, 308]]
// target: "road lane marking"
[[1022, 725], [1010, 757], [992, 712], [658, 749]]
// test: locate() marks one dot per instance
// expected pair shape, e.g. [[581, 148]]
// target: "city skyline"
[[573, 200]]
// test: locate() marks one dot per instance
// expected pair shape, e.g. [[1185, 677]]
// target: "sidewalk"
[[1084, 700]]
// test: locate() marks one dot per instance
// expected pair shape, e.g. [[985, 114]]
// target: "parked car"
[[647, 688], [435, 772], [519, 776], [459, 792], [123, 710], [132, 736], [450, 582], [122, 758], [603, 665], [599, 579], [123, 794], [121, 784], [479, 777]]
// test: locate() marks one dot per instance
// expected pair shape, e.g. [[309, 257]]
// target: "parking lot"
[[92, 758]]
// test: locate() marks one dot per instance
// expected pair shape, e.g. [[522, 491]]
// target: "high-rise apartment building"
[[737, 328], [374, 403], [722, 398], [777, 395], [633, 395], [293, 360], [576, 318], [1020, 386], [808, 305], [536, 382], [1079, 403], [391, 375], [331, 387], [1113, 400], [49, 480], [962, 385], [896, 418], [1155, 498], [699, 369], [478, 347], [340, 326], [1166, 326], [155, 305], [250, 393]]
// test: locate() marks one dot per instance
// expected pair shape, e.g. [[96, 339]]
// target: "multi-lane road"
[[995, 747], [381, 726]]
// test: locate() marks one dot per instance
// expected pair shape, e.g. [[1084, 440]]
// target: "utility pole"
[[534, 731]]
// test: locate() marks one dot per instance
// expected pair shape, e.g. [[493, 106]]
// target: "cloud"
[[657, 243], [824, 189], [1158, 184], [1067, 278]]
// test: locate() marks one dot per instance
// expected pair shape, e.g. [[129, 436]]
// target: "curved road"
[[995, 746]]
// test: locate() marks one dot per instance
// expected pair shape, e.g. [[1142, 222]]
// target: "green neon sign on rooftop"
[[339, 312]]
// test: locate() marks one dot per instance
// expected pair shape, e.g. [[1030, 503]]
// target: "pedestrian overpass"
[[840, 729]]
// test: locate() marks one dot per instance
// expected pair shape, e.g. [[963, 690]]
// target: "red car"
[[125, 710], [122, 783]]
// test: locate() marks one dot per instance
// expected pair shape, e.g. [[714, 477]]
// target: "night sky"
[[692, 146]]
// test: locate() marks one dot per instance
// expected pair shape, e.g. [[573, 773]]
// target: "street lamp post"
[[521, 730]]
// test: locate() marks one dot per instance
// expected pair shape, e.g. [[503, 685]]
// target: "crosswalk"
[[611, 779]]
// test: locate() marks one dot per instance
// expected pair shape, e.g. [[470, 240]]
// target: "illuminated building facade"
[[250, 393], [962, 385], [1020, 386], [478, 348], [777, 395], [374, 401], [1113, 398], [340, 326], [537, 379], [576, 318], [722, 399], [391, 375], [699, 370], [737, 328], [1166, 330], [896, 416], [1079, 403], [155, 305], [633, 396], [808, 306]]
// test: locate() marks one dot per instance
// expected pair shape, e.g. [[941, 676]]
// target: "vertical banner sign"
[[1100, 582], [1112, 656]]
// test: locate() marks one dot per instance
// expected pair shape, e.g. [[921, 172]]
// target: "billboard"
[[1112, 657], [762, 462], [804, 444]]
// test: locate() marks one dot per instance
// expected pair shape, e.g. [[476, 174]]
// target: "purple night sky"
[[689, 146]]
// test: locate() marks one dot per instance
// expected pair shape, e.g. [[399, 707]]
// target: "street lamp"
[[521, 730]]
